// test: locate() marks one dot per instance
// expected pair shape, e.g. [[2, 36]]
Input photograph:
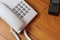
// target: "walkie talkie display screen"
[[54, 7], [55, 1]]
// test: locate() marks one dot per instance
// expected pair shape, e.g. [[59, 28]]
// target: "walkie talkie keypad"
[[21, 9], [54, 7]]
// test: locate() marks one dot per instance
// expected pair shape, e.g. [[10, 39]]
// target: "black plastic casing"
[[54, 7]]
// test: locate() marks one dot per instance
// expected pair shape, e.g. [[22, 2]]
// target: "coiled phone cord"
[[17, 36], [26, 35]]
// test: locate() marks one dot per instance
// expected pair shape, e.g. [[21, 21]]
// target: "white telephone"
[[17, 13]]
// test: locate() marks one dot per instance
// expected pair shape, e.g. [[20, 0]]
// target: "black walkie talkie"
[[54, 7]]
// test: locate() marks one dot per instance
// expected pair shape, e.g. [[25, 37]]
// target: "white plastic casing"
[[10, 18], [28, 17], [12, 3]]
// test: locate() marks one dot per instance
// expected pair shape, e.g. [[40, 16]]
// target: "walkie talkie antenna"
[[54, 7]]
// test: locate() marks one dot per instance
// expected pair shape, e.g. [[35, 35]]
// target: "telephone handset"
[[10, 18], [17, 25]]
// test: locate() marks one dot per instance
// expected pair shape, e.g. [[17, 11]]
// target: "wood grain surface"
[[42, 27]]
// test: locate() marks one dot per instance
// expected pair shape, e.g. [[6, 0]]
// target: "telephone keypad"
[[21, 9]]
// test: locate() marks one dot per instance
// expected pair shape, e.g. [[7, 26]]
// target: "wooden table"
[[43, 27]]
